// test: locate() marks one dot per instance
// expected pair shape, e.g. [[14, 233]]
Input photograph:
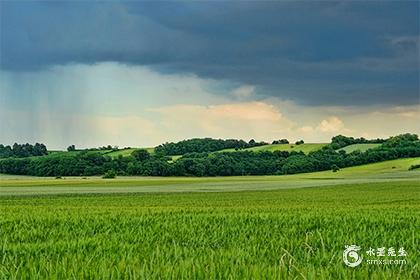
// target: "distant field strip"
[[359, 147], [377, 172], [123, 152], [306, 148]]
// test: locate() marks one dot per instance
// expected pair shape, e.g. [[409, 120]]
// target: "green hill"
[[123, 152], [389, 167], [358, 147], [306, 148], [111, 153]]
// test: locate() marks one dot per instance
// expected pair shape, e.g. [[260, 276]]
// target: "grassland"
[[257, 227], [306, 148], [359, 147], [281, 234], [123, 152], [376, 172]]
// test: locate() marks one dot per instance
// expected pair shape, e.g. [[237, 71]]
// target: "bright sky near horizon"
[[142, 73]]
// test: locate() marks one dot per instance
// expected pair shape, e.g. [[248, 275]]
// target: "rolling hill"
[[306, 148], [358, 147]]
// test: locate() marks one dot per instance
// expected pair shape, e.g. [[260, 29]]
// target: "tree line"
[[200, 145], [110, 148], [141, 162], [341, 141], [22, 150]]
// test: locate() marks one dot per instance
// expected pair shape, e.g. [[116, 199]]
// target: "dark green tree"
[[71, 148], [141, 155]]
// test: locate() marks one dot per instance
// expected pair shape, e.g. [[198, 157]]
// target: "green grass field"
[[359, 147], [306, 148], [256, 227], [376, 172], [123, 152]]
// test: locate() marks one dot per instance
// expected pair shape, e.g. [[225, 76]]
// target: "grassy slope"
[[123, 152], [127, 152], [359, 147], [306, 148], [389, 167], [111, 153], [67, 153]]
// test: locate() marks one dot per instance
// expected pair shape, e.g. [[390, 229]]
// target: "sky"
[[138, 74]]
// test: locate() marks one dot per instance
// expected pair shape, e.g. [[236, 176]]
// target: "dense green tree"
[[281, 141], [341, 141], [87, 163], [199, 145], [23, 150], [71, 148], [141, 155]]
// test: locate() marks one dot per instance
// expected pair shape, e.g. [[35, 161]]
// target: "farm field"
[[275, 227], [376, 172], [279, 234], [359, 147]]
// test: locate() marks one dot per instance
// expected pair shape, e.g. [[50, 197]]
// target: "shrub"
[[335, 168], [110, 174], [415, 166]]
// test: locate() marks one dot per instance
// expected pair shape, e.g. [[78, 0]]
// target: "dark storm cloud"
[[313, 53]]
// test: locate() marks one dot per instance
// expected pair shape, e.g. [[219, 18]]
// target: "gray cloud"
[[312, 53]]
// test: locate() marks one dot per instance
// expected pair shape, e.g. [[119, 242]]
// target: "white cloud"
[[327, 128], [332, 124]]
